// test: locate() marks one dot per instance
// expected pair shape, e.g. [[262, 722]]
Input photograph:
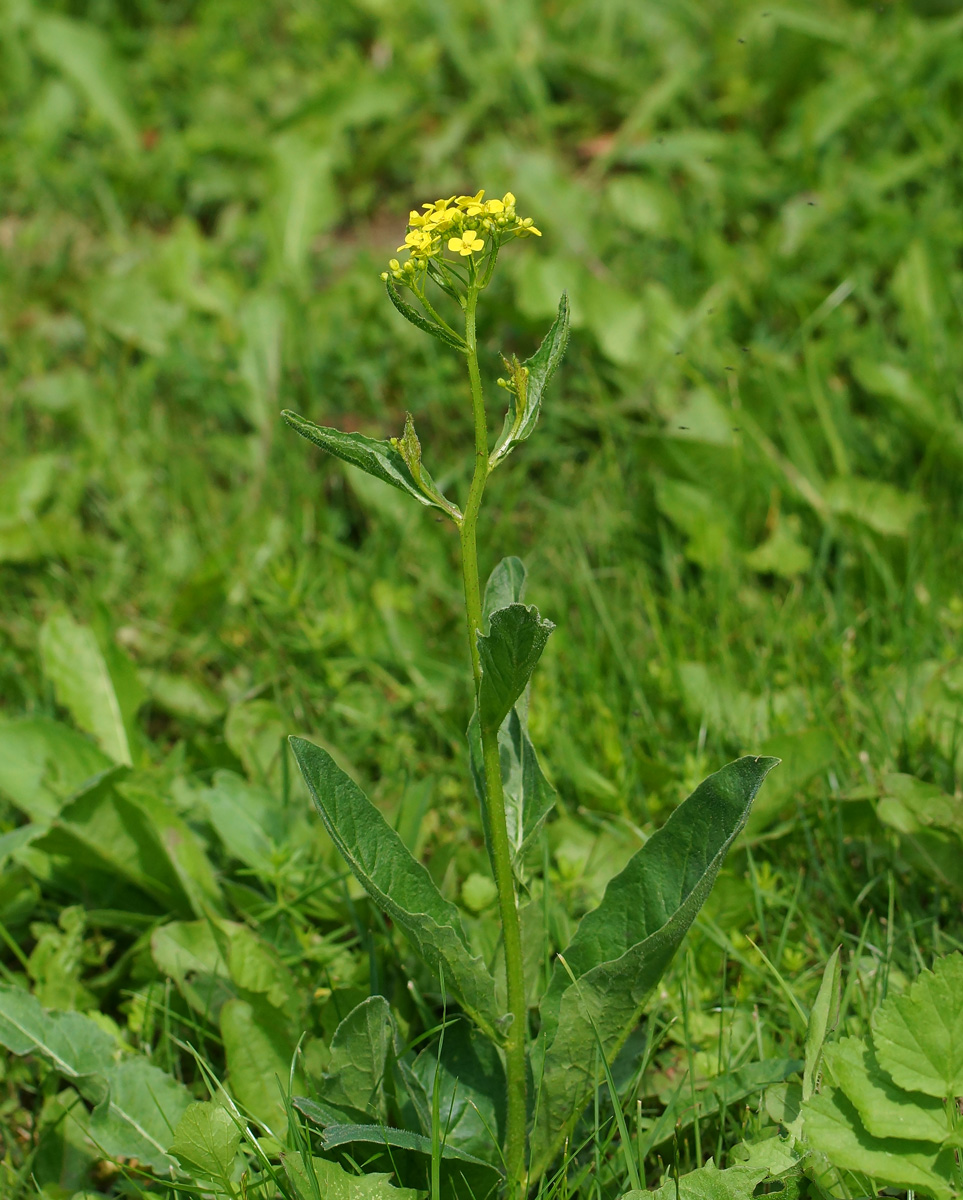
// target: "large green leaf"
[[380, 1135], [919, 1036], [383, 460], [621, 949], [96, 683], [509, 654], [399, 885], [832, 1125], [530, 380], [137, 1104]]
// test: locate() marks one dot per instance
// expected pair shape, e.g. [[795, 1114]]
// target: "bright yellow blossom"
[[468, 243]]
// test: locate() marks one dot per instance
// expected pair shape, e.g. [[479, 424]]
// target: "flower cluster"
[[462, 225]]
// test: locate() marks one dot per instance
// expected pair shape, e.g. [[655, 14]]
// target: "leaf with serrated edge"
[[509, 654], [398, 883], [919, 1036], [359, 1051], [622, 948], [206, 1141], [832, 1125], [885, 1109], [332, 1182], [380, 459], [519, 424]]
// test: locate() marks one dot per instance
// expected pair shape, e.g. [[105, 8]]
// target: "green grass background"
[[742, 506]]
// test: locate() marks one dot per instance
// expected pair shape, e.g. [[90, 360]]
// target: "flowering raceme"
[[464, 226]]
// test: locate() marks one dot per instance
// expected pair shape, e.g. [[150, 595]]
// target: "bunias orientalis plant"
[[600, 983]]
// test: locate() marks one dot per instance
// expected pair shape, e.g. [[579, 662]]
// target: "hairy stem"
[[498, 829]]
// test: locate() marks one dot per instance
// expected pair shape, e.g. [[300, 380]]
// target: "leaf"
[[82, 53], [399, 885], [884, 1109], [380, 1135], [832, 1126], [708, 1183], [206, 1141], [824, 1017], [529, 797], [97, 685], [530, 382], [421, 321], [505, 586], [259, 1051], [919, 1036], [622, 948], [383, 460], [359, 1055], [509, 654], [471, 1090], [330, 1181], [138, 1105], [142, 1111], [879, 505], [43, 761], [247, 818]]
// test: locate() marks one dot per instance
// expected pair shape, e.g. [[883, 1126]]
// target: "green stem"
[[498, 829]]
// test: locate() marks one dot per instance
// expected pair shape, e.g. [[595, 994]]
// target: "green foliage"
[[741, 509], [891, 1112]]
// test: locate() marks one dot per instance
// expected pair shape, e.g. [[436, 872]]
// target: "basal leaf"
[[919, 1036], [885, 1110], [331, 1181], [621, 949], [708, 1183], [531, 379], [141, 1112], [206, 1141], [509, 653], [382, 459], [399, 885], [137, 1104], [401, 1139], [359, 1055], [97, 684], [258, 1049], [832, 1125], [421, 321], [42, 762]]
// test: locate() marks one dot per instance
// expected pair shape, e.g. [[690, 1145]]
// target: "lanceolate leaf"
[[506, 585], [399, 885], [509, 654], [526, 402], [383, 460], [622, 948], [424, 323]]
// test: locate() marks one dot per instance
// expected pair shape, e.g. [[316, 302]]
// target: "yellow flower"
[[418, 241], [470, 201], [508, 200], [468, 243]]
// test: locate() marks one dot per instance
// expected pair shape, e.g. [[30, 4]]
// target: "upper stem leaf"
[[530, 380], [508, 654], [424, 323], [384, 460]]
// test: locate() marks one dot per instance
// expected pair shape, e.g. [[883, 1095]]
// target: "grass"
[[742, 506]]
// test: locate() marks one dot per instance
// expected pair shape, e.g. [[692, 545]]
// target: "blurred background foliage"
[[742, 507]]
